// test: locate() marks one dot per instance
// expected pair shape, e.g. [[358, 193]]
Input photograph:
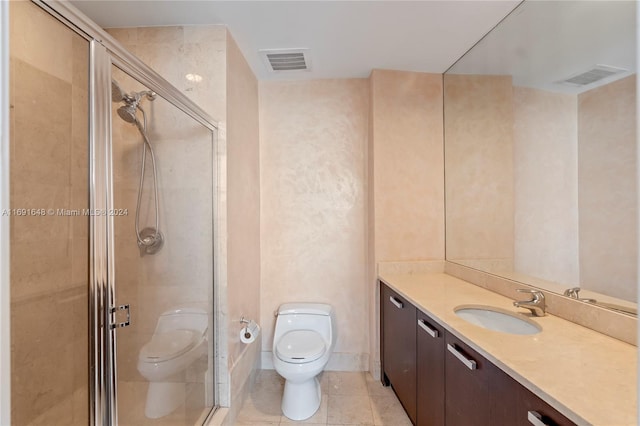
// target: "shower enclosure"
[[112, 184]]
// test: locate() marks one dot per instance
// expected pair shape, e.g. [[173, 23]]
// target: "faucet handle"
[[572, 292], [536, 305], [537, 294]]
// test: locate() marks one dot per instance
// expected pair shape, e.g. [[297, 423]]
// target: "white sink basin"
[[497, 319]]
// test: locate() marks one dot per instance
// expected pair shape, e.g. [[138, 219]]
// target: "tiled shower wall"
[[228, 91]]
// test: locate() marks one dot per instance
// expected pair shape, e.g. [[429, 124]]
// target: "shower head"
[[128, 112], [117, 95]]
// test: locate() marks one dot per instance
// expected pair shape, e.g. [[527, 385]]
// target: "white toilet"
[[304, 338], [177, 342]]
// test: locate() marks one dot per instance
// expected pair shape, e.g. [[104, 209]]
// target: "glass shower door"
[[49, 184], [163, 242]]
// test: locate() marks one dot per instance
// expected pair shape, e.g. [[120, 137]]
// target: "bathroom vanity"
[[447, 371]]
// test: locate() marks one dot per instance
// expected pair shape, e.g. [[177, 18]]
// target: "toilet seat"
[[300, 346], [169, 345]]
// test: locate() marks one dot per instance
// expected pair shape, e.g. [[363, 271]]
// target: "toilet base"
[[163, 398], [301, 400]]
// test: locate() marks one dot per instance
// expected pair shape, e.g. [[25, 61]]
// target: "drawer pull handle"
[[469, 363], [426, 327], [535, 418], [398, 304]]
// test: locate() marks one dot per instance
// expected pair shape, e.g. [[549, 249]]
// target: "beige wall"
[[313, 137], [408, 167], [49, 254], [607, 188], [405, 177], [546, 185], [243, 198], [479, 168]]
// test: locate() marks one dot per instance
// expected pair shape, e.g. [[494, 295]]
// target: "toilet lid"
[[300, 346], [168, 345]]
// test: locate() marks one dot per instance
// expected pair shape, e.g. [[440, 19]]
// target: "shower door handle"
[[125, 323]]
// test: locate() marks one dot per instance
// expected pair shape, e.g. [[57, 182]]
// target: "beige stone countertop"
[[587, 376]]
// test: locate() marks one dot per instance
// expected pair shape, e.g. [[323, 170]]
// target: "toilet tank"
[[305, 308], [319, 317]]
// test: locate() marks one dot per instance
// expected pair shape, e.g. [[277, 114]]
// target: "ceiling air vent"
[[285, 60], [597, 73]]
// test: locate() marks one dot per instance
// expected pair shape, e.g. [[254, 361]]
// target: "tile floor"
[[347, 399]]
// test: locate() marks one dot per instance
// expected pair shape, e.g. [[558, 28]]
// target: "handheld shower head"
[[128, 112], [117, 94]]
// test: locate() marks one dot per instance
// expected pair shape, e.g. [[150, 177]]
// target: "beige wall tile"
[[204, 33], [546, 185], [125, 36], [408, 166], [40, 40], [607, 187], [405, 178], [42, 126], [243, 198], [479, 165], [160, 35]]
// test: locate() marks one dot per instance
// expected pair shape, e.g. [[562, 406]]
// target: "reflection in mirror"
[[540, 151]]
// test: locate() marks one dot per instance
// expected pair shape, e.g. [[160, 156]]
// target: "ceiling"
[[544, 42], [346, 39]]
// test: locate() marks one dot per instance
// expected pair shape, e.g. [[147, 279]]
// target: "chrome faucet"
[[536, 305], [572, 292]]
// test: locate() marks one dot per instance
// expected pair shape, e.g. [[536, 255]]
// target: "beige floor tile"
[[324, 382], [265, 410], [309, 424], [269, 380], [374, 387], [387, 411], [372, 404], [347, 383], [344, 409]]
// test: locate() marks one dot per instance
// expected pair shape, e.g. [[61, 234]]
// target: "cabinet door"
[[467, 399], [430, 369], [533, 411], [399, 347]]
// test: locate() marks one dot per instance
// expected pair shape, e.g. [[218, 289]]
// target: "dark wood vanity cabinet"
[[430, 341], [530, 406], [398, 347], [441, 381], [467, 388]]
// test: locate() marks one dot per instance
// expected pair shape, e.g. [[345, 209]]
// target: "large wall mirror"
[[540, 151]]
